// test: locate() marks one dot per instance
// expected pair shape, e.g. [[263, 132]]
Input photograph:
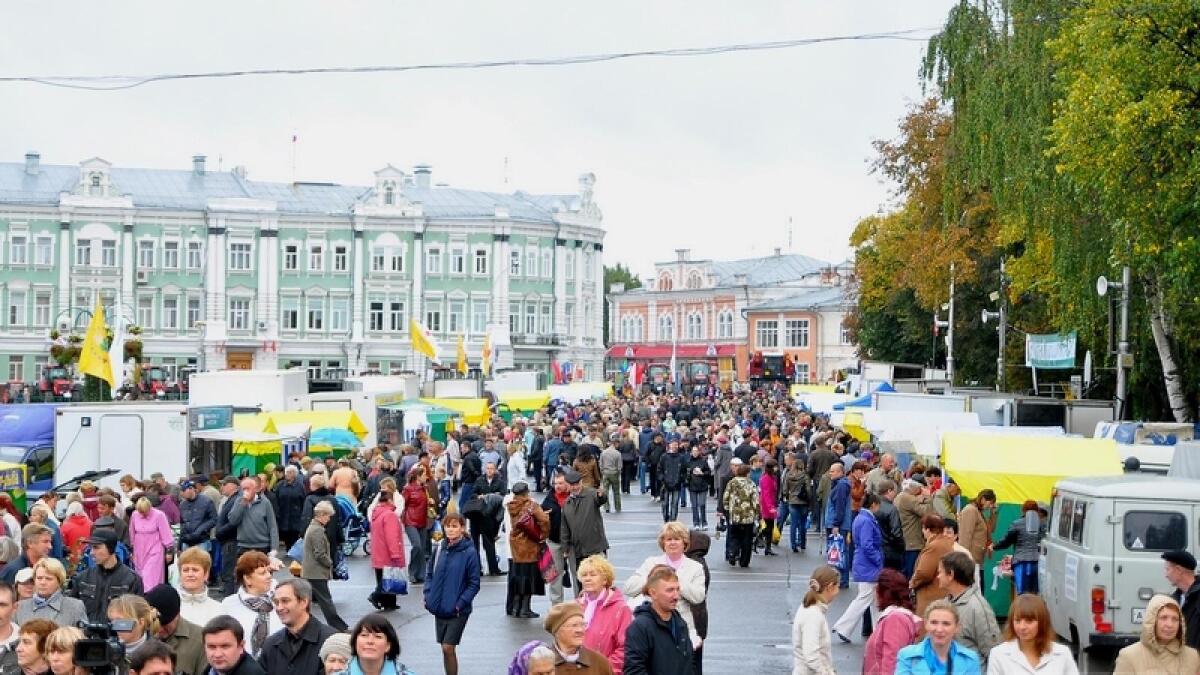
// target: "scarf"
[[194, 598], [519, 664], [591, 604], [40, 602], [262, 607]]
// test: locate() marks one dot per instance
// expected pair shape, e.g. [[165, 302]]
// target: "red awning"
[[660, 351]]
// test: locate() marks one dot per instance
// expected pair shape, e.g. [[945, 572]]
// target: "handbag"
[[394, 581], [528, 526], [296, 552], [546, 564], [835, 552], [341, 571]]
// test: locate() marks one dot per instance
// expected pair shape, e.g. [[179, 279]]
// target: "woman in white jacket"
[[812, 652], [515, 464], [673, 540], [1029, 646]]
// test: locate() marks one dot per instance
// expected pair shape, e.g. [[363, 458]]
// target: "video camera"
[[100, 650]]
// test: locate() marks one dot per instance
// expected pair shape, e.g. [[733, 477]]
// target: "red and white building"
[[699, 309]]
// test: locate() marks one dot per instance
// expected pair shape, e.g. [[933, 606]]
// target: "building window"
[[16, 369], [481, 261], [666, 328], [313, 370], [397, 256], [479, 316], [802, 373], [547, 326], [291, 258], [514, 263], [725, 324], [531, 262], [339, 314], [456, 316], [39, 367], [844, 335], [239, 257], [239, 310], [664, 282], [83, 251], [316, 258], [397, 316], [316, 314], [530, 318], [193, 255], [170, 255], [514, 317], [44, 252], [193, 312], [289, 313], [341, 259], [548, 264], [375, 315], [378, 260], [41, 309], [145, 255], [458, 261], [433, 260], [695, 327], [433, 317], [18, 251], [145, 311], [694, 281], [570, 273], [108, 253], [570, 311], [796, 333], [16, 308], [589, 266], [389, 196], [767, 334], [170, 308]]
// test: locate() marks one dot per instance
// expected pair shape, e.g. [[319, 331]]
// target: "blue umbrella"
[[334, 438]]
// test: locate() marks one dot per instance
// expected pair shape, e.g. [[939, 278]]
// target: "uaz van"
[[1102, 555]]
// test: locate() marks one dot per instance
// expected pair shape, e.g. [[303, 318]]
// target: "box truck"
[[267, 390], [383, 424], [135, 438], [408, 385]]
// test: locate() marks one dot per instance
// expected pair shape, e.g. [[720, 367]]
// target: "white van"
[[1102, 555]]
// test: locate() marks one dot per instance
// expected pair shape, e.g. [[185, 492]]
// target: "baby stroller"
[[355, 527]]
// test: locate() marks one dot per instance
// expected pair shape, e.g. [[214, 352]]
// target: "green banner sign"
[[1050, 351]]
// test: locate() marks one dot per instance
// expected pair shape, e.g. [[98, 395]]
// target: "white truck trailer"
[[383, 424], [267, 390], [135, 438]]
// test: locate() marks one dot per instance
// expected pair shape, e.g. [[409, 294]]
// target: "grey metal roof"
[[817, 298], [171, 189], [772, 269], [1133, 486]]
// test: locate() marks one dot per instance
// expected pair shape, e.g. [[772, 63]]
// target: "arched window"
[[639, 329], [389, 195], [666, 328], [694, 280], [664, 282], [725, 324], [695, 327]]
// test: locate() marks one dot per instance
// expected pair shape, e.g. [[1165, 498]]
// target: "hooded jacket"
[[1149, 656], [452, 579], [868, 547], [895, 629], [697, 549], [977, 627], [654, 646], [916, 659]]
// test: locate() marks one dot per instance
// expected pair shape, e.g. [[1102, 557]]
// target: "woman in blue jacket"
[[938, 653], [451, 582]]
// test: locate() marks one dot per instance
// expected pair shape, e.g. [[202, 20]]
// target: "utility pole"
[[999, 297], [1124, 358], [950, 332]]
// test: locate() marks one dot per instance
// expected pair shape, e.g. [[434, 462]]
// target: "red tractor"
[[697, 376], [56, 384], [770, 369], [152, 383]]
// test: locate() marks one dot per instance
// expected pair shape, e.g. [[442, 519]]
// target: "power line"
[[117, 82]]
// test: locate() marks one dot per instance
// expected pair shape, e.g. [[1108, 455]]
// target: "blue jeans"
[[642, 475], [699, 510], [910, 561], [798, 516], [1025, 577], [670, 504], [683, 499], [464, 494]]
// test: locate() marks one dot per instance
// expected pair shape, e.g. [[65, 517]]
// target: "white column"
[[126, 293], [264, 304], [65, 251], [500, 275], [597, 327], [418, 290], [580, 329], [358, 283], [560, 286], [651, 333]]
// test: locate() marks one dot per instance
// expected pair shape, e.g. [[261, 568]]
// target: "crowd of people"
[[222, 574]]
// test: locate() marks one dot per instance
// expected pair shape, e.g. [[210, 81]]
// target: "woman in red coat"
[[75, 529], [387, 548], [604, 611], [416, 522]]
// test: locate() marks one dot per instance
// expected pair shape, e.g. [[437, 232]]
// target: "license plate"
[[1137, 615]]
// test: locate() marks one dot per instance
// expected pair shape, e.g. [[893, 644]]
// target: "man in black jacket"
[[670, 477], [471, 470], [1180, 570], [105, 580], [226, 535], [197, 516], [296, 648], [658, 641], [657, 449], [559, 492], [535, 458], [889, 524], [225, 648]]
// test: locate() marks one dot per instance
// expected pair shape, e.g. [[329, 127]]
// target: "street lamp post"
[[1124, 358], [948, 324], [1001, 317]]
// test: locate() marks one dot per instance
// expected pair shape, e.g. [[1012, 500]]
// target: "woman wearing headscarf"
[[1160, 648], [152, 542], [75, 529]]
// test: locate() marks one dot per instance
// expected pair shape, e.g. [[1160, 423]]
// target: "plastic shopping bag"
[[395, 581], [835, 552], [546, 564], [296, 552]]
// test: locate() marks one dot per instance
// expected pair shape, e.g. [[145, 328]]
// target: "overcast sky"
[[712, 153]]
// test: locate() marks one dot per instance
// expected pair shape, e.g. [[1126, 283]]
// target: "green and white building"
[[221, 271]]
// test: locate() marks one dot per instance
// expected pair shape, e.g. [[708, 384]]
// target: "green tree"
[[618, 274]]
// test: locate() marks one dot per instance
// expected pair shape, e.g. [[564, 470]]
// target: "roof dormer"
[[389, 183], [95, 178]]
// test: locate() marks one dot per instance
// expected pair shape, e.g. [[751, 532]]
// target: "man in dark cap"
[[105, 580], [582, 527], [1180, 569], [181, 635]]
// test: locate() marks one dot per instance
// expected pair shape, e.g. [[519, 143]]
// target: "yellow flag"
[[485, 359], [462, 356], [422, 342], [93, 357]]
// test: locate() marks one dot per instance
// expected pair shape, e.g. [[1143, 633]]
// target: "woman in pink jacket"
[[387, 547], [605, 612], [768, 487], [152, 541], [896, 628]]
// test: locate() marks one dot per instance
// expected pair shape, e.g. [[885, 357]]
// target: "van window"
[[1077, 522], [1066, 507], [1072, 514], [1155, 531]]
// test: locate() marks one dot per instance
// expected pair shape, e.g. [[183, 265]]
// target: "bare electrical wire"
[[118, 82]]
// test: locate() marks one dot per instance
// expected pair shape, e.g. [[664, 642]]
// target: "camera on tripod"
[[101, 650]]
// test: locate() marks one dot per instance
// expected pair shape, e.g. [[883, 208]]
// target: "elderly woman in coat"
[[673, 539], [49, 601], [317, 566], [1161, 648], [524, 578]]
